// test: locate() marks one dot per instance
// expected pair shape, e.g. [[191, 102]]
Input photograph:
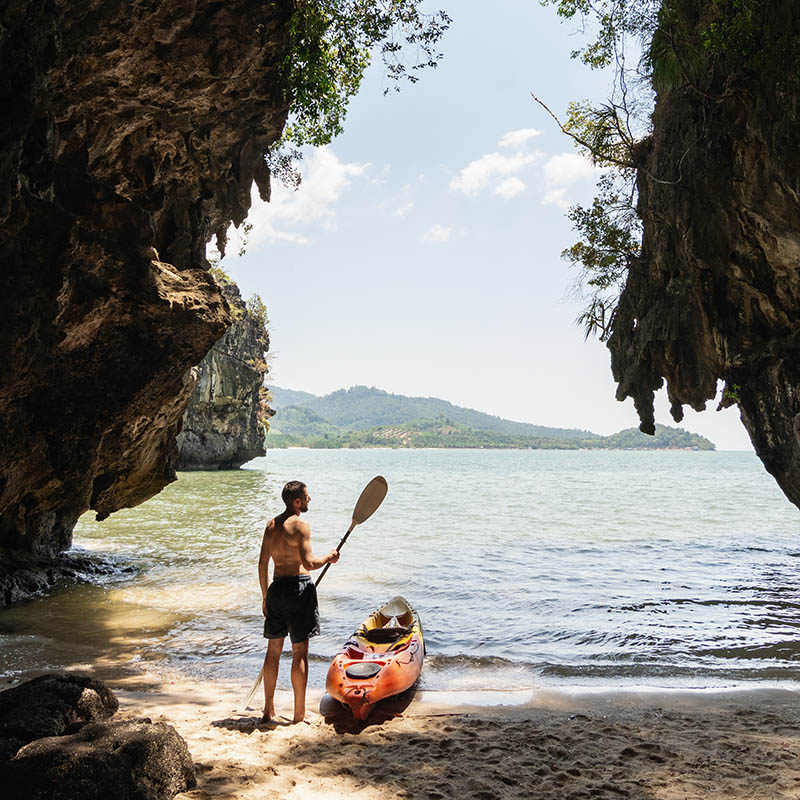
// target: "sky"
[[421, 253]]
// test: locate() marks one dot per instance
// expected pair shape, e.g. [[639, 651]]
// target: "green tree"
[[331, 43]]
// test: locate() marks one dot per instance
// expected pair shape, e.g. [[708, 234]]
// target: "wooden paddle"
[[366, 505]]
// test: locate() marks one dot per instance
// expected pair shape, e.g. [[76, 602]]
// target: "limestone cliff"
[[131, 132], [716, 294], [223, 426]]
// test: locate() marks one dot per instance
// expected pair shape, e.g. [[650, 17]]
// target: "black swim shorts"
[[292, 608]]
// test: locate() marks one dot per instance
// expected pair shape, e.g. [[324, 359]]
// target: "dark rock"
[[221, 427], [130, 134], [49, 706], [133, 760], [716, 294], [23, 577]]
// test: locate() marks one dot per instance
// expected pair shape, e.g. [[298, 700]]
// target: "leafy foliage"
[[264, 412], [330, 47], [613, 20], [257, 312], [610, 241]]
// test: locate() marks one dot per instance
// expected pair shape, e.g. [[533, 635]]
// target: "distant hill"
[[368, 417], [363, 407]]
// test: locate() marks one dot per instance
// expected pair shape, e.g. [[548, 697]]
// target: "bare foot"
[[268, 714]]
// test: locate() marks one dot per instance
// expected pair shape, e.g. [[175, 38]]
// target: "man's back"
[[284, 535]]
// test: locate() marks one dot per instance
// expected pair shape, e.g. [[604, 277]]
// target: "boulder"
[[50, 705], [131, 760]]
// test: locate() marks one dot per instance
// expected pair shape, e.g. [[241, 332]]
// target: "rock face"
[[716, 294], [222, 427], [130, 133]]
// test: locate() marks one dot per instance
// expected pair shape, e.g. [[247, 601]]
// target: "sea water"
[[528, 568]]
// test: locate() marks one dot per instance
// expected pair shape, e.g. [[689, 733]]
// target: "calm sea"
[[528, 568]]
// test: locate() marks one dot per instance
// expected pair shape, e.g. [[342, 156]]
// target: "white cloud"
[[401, 211], [564, 170], [436, 233], [510, 187], [478, 174], [519, 137], [325, 178], [556, 197], [568, 168]]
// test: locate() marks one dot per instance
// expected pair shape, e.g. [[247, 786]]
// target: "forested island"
[[367, 417]]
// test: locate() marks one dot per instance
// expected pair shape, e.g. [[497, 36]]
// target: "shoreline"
[[645, 745], [560, 449]]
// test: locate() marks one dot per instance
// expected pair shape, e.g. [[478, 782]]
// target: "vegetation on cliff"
[[330, 44], [689, 254], [683, 46]]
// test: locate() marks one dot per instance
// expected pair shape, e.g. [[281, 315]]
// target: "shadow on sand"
[[341, 718]]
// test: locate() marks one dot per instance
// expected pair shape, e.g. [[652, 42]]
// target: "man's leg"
[[299, 678], [272, 661]]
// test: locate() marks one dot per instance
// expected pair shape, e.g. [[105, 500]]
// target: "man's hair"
[[292, 491]]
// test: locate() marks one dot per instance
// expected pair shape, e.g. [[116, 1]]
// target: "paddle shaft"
[[338, 549]]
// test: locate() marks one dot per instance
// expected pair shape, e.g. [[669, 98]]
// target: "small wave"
[[671, 673], [460, 661], [657, 606], [778, 651]]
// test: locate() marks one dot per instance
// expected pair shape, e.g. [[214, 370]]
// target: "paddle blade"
[[370, 499]]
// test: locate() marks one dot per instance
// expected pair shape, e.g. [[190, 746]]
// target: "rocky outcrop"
[[223, 427], [716, 294], [131, 132], [24, 577], [57, 741], [50, 705], [126, 760]]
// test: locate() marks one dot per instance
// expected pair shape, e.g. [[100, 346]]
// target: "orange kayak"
[[382, 658]]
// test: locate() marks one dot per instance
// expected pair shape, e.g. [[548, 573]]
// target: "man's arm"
[[263, 571], [310, 561]]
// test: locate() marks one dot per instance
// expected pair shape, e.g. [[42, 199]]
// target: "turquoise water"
[[528, 568]]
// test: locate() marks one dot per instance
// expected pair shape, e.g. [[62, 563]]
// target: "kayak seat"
[[385, 635]]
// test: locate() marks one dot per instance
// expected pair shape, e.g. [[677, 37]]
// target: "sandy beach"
[[558, 744]]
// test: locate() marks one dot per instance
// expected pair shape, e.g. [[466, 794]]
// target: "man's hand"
[[333, 556], [264, 606]]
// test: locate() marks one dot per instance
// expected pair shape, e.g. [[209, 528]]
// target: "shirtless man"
[[289, 603]]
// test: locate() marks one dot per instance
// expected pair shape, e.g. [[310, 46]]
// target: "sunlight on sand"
[[189, 598]]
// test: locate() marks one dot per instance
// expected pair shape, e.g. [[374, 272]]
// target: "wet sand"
[[559, 744]]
